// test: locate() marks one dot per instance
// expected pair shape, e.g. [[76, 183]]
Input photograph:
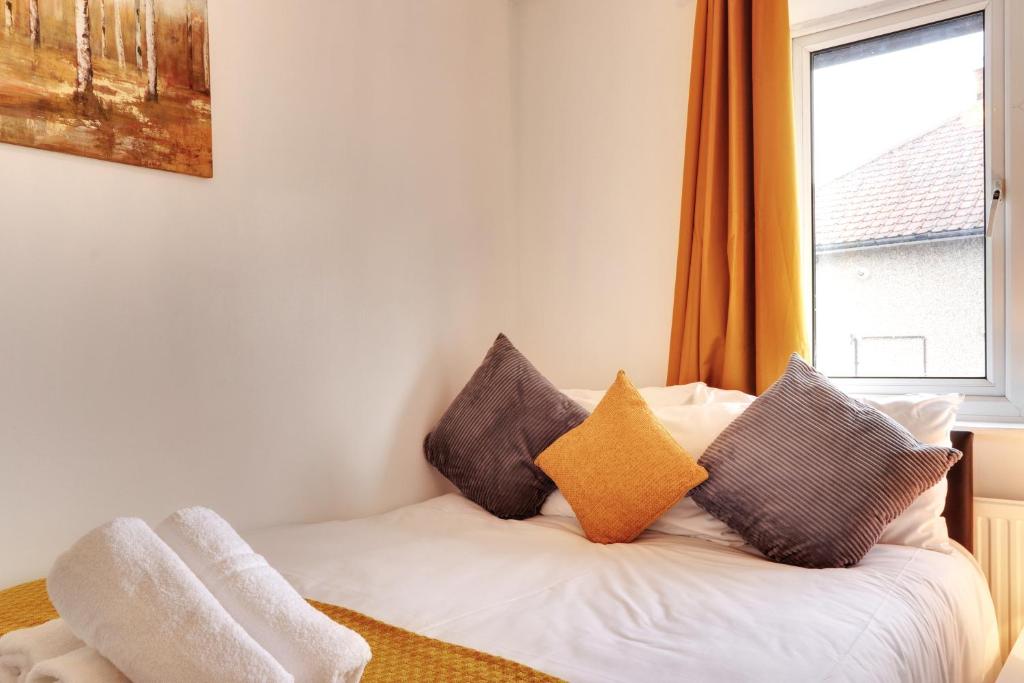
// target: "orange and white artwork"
[[119, 80]]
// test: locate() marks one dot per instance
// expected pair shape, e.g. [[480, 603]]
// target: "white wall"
[[809, 10], [274, 342], [601, 88]]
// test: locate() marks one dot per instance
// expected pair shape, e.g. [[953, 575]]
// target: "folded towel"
[[83, 665], [126, 594], [307, 643], [22, 649]]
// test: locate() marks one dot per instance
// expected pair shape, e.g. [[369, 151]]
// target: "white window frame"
[[999, 396]]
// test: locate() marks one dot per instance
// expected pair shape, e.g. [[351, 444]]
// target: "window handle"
[[997, 196]]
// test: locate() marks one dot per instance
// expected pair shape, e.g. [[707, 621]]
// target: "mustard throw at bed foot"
[[398, 655]]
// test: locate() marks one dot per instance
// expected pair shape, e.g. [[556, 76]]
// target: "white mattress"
[[661, 608]]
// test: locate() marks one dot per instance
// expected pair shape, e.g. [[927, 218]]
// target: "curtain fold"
[[738, 311]]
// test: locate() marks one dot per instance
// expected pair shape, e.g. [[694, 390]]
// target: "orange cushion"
[[620, 469]]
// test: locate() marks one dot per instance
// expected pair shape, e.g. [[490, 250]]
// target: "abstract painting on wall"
[[119, 80]]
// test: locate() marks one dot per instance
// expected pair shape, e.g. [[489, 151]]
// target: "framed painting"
[[118, 80]]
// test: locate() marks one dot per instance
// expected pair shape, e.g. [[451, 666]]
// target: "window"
[[902, 135], [898, 212]]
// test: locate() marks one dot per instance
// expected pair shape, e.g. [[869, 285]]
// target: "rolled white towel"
[[22, 649], [83, 665], [126, 594], [309, 645]]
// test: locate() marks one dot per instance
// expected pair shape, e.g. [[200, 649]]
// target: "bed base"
[[959, 511]]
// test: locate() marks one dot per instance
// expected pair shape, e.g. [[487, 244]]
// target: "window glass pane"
[[899, 203]]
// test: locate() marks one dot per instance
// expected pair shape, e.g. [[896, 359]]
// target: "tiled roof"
[[930, 187]]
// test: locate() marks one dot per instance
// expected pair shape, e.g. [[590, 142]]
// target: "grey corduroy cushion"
[[487, 440], [810, 476]]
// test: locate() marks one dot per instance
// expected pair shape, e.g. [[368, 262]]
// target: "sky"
[[864, 107]]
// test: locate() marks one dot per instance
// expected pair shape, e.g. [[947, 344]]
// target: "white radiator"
[[999, 547]]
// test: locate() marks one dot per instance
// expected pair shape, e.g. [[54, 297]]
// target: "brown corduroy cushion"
[[810, 476], [488, 438]]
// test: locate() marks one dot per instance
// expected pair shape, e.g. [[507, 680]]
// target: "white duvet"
[[663, 608]]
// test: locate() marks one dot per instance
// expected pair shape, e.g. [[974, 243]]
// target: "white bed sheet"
[[663, 608]]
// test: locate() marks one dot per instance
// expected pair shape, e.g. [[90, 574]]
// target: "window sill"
[[988, 426], [990, 412]]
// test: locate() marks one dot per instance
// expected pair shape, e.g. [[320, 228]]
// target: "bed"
[[662, 608]]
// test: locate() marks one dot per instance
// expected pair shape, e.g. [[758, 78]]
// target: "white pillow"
[[929, 418], [696, 393], [696, 414]]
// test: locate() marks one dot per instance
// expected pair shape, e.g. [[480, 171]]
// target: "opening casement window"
[[905, 113]]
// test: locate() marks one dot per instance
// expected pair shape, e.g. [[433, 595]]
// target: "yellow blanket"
[[398, 655]]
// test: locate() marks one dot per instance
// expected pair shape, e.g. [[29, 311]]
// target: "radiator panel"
[[999, 548]]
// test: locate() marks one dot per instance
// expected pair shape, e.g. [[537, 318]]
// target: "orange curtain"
[[738, 311]]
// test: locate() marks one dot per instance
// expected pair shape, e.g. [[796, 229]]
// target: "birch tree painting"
[[152, 90], [83, 51], [138, 34], [119, 35], [68, 83], [33, 23], [103, 29]]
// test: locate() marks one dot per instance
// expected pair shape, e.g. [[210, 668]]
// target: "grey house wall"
[[903, 308]]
